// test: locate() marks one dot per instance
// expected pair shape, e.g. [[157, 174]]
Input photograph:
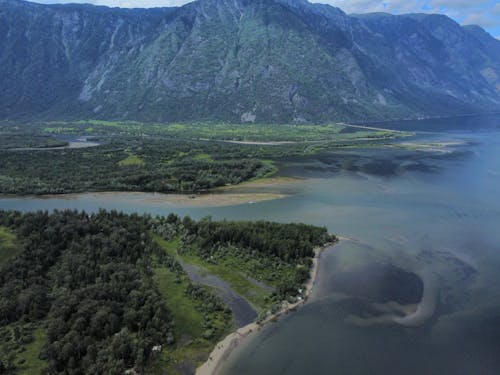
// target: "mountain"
[[240, 60]]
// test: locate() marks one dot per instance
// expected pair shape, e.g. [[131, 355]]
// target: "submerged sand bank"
[[216, 199], [268, 182], [250, 192]]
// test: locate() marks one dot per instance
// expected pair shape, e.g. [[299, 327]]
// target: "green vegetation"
[[8, 245], [218, 131], [15, 140], [256, 295], [145, 165], [227, 268], [31, 362], [200, 321], [279, 63], [245, 254], [188, 320], [104, 293], [20, 347], [204, 157], [131, 160], [163, 158]]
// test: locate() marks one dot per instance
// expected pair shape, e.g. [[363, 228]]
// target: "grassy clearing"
[[170, 247], [131, 160], [59, 129], [20, 347], [33, 364], [188, 320], [8, 245], [222, 131], [203, 157]]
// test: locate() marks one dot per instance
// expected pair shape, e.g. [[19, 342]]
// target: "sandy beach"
[[224, 348], [249, 192], [216, 199], [267, 182]]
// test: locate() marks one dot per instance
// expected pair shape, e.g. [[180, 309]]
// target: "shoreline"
[[247, 192], [224, 348], [207, 199]]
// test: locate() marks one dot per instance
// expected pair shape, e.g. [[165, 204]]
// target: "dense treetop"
[[83, 287]]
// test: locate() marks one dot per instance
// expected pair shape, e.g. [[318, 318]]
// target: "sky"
[[485, 13]]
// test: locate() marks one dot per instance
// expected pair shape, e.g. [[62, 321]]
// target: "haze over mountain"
[[240, 60]]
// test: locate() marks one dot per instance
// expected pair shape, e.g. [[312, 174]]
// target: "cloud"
[[485, 20], [485, 13], [122, 3], [367, 6]]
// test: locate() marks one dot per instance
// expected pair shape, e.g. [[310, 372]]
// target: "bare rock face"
[[240, 60]]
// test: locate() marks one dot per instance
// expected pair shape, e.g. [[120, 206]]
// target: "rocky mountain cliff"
[[240, 60]]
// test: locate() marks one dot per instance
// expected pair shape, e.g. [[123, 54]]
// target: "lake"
[[415, 286]]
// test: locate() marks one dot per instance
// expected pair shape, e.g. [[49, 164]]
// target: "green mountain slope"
[[240, 60]]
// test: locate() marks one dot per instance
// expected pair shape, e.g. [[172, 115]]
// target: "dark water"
[[243, 312], [417, 288]]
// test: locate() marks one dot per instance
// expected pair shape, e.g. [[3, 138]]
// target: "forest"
[[98, 293], [128, 165], [174, 158]]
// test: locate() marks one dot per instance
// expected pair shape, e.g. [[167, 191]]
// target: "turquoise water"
[[415, 289]]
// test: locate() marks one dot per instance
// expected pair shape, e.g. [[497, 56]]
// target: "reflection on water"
[[416, 290]]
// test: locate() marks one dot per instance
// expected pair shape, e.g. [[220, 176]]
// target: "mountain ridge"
[[240, 60]]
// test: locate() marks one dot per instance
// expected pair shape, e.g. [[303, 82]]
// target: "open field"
[[8, 246], [131, 160], [256, 134]]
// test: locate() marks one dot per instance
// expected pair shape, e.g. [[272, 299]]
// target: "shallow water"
[[73, 142], [439, 223], [424, 226]]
